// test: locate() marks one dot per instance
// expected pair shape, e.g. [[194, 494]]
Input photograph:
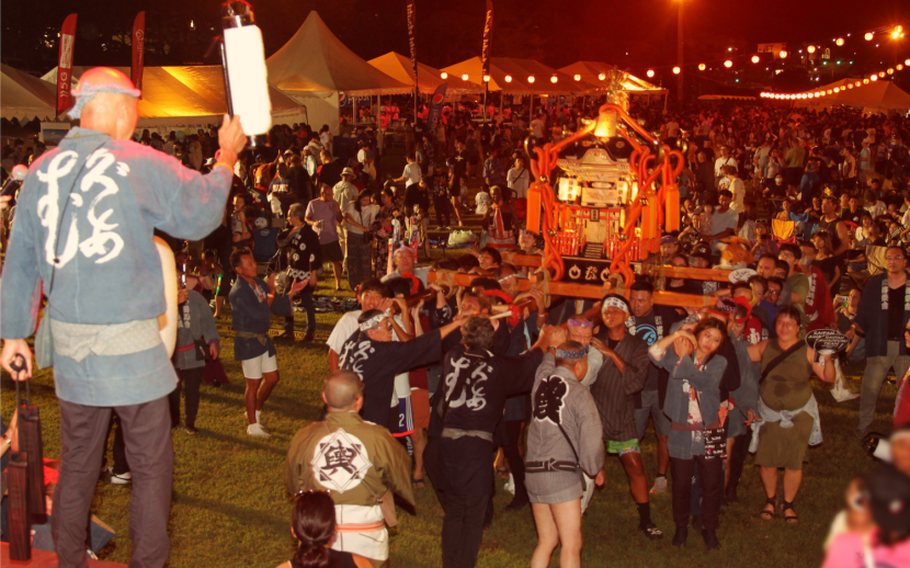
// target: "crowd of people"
[[460, 383]]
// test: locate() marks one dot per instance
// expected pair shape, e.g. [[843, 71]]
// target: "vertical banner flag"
[[65, 64], [138, 49], [412, 42], [487, 38], [436, 107]]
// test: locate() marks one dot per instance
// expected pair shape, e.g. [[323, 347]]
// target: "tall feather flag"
[[412, 42], [138, 50], [487, 40], [65, 64]]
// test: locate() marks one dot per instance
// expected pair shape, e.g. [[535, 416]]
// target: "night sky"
[[634, 34]]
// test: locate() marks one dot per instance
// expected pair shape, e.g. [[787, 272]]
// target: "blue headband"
[[563, 354], [88, 92]]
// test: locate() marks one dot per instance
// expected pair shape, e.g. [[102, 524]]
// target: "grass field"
[[230, 509]]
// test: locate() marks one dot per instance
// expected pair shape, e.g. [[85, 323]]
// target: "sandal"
[[418, 483], [788, 506], [767, 515]]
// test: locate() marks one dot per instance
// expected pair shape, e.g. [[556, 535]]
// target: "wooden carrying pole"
[[573, 290], [701, 274]]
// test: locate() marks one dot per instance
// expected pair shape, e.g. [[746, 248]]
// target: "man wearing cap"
[[84, 227], [344, 192], [621, 377], [652, 323], [884, 310]]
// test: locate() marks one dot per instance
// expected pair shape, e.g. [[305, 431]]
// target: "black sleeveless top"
[[336, 560]]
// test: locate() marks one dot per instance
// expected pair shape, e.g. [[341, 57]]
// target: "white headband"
[[372, 322], [614, 302]]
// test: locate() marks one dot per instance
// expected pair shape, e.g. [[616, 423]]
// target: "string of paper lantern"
[[852, 84]]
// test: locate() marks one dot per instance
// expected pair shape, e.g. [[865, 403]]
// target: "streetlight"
[[679, 51]]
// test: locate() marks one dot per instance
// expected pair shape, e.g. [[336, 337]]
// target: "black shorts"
[[331, 252]]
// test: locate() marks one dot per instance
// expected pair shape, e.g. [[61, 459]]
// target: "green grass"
[[230, 509]]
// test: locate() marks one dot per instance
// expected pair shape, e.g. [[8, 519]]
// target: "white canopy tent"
[[313, 67], [873, 97], [191, 96], [429, 78], [24, 97]]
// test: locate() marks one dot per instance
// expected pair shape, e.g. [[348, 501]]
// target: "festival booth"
[[314, 68], [429, 78], [872, 96], [188, 98]]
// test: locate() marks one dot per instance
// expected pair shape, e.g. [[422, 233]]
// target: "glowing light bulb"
[[728, 64], [676, 70], [577, 77], [783, 54], [836, 89], [756, 59], [486, 78], [701, 66], [869, 36], [444, 75], [508, 78], [866, 81], [881, 74], [811, 49], [554, 79], [650, 73], [531, 79], [891, 71], [464, 77], [839, 41], [602, 77]]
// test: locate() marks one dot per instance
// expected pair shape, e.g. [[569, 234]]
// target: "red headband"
[[499, 294], [415, 282]]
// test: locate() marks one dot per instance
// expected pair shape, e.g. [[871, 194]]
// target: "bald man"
[[356, 461], [84, 228]]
